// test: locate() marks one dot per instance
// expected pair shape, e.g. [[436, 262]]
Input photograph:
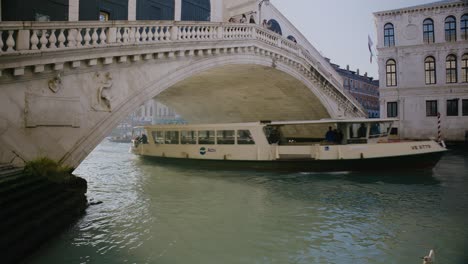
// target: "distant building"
[[363, 88], [154, 112], [423, 68]]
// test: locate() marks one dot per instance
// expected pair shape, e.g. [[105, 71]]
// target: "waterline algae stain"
[[154, 213]]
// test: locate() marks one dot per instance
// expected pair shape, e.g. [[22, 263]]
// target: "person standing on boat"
[[338, 136], [144, 139], [362, 131], [330, 136]]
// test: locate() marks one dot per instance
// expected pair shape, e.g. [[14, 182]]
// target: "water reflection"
[[154, 213]]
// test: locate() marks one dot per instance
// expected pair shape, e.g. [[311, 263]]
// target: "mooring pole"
[[439, 133]]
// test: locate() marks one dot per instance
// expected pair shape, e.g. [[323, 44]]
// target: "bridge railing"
[[18, 38]]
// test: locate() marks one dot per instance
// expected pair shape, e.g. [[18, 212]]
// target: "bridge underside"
[[243, 93]]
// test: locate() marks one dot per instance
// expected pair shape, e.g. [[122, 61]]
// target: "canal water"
[[153, 213]]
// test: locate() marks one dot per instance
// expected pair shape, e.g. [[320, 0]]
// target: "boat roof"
[[335, 121], [275, 123]]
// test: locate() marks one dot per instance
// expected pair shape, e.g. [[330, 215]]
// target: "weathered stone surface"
[[250, 78]]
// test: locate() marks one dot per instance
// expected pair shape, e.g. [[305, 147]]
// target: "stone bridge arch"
[[62, 100]]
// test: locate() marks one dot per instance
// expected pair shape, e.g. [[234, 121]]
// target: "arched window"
[[450, 29], [451, 69], [389, 35], [274, 26], [464, 27], [464, 68], [196, 10], [293, 39], [391, 73], [428, 31], [430, 70]]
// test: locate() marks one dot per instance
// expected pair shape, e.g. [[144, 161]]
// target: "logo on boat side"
[[202, 150]]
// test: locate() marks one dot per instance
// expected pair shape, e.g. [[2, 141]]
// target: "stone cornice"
[[421, 8], [460, 44]]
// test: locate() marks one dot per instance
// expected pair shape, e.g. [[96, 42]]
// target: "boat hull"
[[424, 161]]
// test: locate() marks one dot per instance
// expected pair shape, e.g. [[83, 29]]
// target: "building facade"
[[423, 68], [363, 88]]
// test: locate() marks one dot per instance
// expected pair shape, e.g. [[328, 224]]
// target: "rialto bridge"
[[65, 85]]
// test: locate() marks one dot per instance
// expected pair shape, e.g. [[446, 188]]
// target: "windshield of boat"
[[379, 129]]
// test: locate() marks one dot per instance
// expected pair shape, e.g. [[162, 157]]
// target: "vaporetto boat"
[[322, 145]]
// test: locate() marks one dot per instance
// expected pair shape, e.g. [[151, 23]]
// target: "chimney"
[[357, 71], [347, 67], [365, 74]]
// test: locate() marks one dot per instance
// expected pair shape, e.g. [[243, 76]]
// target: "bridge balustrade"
[[28, 38]]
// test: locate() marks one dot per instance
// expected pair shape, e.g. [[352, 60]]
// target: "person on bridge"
[[243, 19]]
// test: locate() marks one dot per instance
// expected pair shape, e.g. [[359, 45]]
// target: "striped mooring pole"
[[439, 133]]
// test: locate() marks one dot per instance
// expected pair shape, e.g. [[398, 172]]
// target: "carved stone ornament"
[[55, 84], [274, 62], [102, 99]]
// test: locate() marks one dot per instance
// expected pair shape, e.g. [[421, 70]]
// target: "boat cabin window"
[[358, 130], [158, 137], [272, 134], [188, 137], [206, 137], [379, 130], [172, 137], [244, 137], [357, 133], [225, 137]]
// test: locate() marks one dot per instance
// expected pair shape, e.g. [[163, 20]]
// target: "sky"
[[339, 29]]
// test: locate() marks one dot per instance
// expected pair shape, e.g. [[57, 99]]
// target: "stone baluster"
[[200, 33], [102, 37], [52, 40], [156, 34], [189, 32], [205, 34], [118, 36], [167, 34], [43, 39], [219, 31], [61, 39], [144, 35], [79, 38], [125, 36], [71, 38], [211, 33], [34, 40], [194, 32], [10, 41], [137, 34], [182, 33], [132, 35], [1, 41], [95, 37], [87, 37], [150, 34]]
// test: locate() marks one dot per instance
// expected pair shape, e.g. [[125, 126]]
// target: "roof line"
[[434, 5]]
